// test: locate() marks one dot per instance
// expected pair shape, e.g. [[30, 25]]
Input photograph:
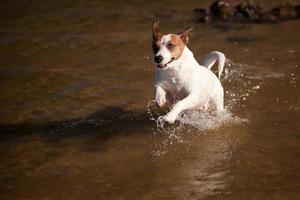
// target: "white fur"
[[189, 84], [163, 51]]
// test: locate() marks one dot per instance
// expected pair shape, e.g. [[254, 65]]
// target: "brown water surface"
[[76, 79]]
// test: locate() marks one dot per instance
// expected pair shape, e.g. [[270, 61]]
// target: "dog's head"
[[168, 48]]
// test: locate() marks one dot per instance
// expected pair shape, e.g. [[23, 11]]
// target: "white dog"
[[180, 80]]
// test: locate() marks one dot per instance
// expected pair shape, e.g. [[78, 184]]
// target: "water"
[[75, 122]]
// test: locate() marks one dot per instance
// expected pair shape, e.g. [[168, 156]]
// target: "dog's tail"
[[210, 59]]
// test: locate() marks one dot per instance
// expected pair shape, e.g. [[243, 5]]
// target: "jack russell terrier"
[[180, 80]]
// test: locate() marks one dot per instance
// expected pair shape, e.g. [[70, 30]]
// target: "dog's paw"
[[170, 118], [161, 101]]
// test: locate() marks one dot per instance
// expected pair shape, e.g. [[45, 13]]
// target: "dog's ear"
[[185, 35], [156, 33]]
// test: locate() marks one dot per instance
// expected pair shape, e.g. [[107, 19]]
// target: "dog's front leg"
[[160, 96], [187, 103]]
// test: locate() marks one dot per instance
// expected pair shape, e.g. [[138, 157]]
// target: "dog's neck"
[[186, 60]]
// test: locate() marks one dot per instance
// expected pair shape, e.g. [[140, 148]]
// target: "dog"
[[180, 80]]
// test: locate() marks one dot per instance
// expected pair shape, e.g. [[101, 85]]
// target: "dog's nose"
[[158, 59]]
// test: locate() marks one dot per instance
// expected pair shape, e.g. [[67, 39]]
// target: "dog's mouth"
[[164, 65]]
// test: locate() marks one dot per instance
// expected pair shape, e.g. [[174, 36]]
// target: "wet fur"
[[180, 80]]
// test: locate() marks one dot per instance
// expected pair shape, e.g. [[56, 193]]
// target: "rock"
[[221, 10], [249, 10], [268, 17], [284, 12], [204, 16]]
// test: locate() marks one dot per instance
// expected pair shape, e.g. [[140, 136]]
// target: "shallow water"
[[76, 81]]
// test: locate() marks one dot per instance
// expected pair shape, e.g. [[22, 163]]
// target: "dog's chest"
[[178, 85], [174, 81]]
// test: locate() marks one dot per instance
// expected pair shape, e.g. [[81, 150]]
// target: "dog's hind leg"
[[218, 102], [216, 105], [220, 105]]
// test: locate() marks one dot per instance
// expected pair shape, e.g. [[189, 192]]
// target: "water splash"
[[204, 120], [188, 124], [199, 119], [239, 86]]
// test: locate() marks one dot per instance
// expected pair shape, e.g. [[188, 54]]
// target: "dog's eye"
[[171, 46]]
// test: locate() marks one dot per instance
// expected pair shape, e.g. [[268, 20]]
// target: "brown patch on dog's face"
[[175, 46], [168, 48], [177, 43]]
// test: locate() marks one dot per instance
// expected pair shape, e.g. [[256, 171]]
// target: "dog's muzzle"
[[164, 65]]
